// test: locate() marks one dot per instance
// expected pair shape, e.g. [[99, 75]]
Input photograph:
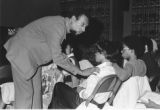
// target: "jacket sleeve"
[[55, 35]]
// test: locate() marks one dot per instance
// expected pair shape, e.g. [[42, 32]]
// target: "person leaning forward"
[[38, 43]]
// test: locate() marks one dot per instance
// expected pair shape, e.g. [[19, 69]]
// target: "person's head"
[[106, 52], [132, 47], [112, 52], [99, 54], [67, 47], [147, 42], [95, 54], [78, 24]]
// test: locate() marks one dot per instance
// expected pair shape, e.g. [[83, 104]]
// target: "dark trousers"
[[64, 97]]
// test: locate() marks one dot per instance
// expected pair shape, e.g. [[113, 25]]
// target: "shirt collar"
[[70, 55], [104, 64]]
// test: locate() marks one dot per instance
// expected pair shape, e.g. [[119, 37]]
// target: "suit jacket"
[[38, 43]]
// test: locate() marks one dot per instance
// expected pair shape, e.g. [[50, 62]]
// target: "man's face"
[[99, 57], [79, 25], [68, 49], [125, 52]]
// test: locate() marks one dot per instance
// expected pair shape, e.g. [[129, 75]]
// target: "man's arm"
[[54, 38], [123, 73]]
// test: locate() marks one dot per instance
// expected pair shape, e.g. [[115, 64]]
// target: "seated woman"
[[133, 73], [66, 97]]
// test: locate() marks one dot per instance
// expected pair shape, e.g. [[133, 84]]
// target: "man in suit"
[[36, 44]]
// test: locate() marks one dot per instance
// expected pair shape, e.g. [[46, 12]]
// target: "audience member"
[[133, 74], [132, 51], [66, 97], [149, 58]]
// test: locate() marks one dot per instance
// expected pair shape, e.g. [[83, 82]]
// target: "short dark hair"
[[90, 54], [134, 42], [112, 50], [77, 14]]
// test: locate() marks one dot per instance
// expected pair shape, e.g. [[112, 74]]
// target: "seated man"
[[66, 97]]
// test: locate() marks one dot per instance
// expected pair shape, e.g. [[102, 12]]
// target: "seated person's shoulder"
[[84, 64]]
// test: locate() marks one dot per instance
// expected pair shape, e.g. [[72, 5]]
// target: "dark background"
[[18, 13]]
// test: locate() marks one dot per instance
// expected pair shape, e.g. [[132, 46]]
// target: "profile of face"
[[126, 52], [79, 24], [99, 57]]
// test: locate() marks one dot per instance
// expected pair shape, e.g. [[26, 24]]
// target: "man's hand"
[[90, 71]]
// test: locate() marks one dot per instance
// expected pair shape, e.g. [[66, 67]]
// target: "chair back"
[[109, 83]]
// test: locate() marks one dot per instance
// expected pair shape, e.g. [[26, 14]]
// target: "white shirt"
[[130, 91], [91, 82]]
